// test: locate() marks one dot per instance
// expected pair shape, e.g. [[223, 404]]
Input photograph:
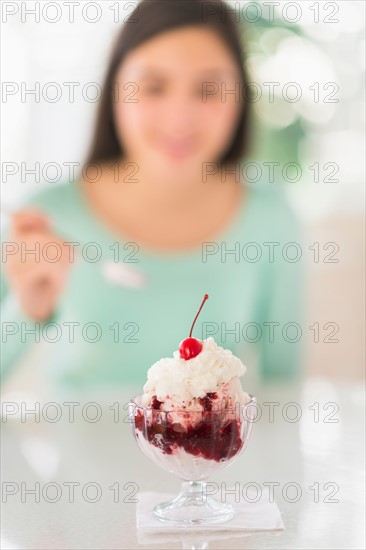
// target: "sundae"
[[192, 402]]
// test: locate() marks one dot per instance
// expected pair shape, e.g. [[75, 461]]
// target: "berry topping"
[[155, 403], [206, 401]]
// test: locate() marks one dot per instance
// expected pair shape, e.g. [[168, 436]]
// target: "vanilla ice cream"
[[207, 381]]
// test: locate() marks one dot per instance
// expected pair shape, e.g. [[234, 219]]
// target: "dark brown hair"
[[149, 19]]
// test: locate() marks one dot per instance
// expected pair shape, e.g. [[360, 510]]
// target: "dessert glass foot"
[[194, 507]]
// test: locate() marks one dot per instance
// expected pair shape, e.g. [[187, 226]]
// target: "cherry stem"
[[198, 312]]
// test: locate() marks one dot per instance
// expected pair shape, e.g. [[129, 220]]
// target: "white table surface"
[[304, 452]]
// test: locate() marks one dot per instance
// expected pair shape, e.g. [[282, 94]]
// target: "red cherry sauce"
[[213, 438]]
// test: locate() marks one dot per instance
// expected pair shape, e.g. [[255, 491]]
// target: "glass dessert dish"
[[193, 444]]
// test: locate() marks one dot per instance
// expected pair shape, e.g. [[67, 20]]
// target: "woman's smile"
[[177, 147]]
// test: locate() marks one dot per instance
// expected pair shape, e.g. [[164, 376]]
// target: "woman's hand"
[[34, 277]]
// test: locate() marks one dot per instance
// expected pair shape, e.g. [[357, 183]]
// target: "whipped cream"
[[182, 381]]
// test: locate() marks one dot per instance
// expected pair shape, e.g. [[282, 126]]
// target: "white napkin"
[[250, 516]]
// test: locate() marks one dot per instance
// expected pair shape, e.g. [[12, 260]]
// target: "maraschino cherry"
[[191, 347]]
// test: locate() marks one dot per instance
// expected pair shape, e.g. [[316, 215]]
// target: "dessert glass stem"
[[194, 507], [194, 490]]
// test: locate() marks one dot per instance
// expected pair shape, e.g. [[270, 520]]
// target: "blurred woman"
[[159, 216]]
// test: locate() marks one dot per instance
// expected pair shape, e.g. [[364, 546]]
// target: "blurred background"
[[311, 58], [317, 47]]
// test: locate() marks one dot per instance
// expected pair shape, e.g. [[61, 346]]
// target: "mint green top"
[[245, 291]]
